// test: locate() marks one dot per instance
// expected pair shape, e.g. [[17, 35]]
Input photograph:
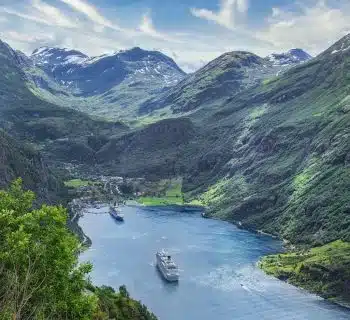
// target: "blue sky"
[[193, 32]]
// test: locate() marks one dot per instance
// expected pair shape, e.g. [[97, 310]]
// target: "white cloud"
[[56, 16], [313, 28], [147, 28], [229, 12], [25, 16], [27, 37], [92, 13], [299, 24], [41, 12]]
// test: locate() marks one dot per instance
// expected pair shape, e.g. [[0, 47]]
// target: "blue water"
[[218, 278]]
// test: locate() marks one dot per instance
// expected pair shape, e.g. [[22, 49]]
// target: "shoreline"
[[86, 241]]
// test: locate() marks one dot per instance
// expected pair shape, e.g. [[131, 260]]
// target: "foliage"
[[119, 305], [40, 277], [157, 201], [324, 270]]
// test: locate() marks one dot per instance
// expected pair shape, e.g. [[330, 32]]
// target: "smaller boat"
[[115, 213]]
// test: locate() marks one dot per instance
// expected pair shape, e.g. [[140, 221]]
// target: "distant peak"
[[300, 53], [40, 50], [51, 50], [293, 56]]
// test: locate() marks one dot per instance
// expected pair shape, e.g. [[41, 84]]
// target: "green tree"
[[40, 277]]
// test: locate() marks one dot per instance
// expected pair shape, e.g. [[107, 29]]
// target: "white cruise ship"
[[167, 266]]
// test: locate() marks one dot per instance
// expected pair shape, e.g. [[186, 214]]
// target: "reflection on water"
[[218, 277]]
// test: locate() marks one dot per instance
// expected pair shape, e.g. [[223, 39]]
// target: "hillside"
[[224, 77], [287, 150], [60, 133], [228, 74], [273, 157], [17, 160]]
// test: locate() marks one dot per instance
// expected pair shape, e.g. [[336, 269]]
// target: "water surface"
[[218, 278]]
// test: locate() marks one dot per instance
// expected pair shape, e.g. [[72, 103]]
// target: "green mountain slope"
[[274, 157], [17, 160], [223, 77], [324, 270], [288, 148]]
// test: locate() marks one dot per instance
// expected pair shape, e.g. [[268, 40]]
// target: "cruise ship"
[[167, 266]]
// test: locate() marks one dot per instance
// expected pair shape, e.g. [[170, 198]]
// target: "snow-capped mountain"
[[292, 57], [56, 56], [90, 76]]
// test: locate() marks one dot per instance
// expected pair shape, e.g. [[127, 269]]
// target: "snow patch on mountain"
[[293, 56], [85, 76]]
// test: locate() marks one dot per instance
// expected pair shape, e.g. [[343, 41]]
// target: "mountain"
[[136, 82], [292, 57], [223, 77], [85, 76], [273, 157], [61, 134], [271, 154], [108, 85]]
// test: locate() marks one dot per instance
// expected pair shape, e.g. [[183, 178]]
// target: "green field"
[[77, 183], [170, 195]]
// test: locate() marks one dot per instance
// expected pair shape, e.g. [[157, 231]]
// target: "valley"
[[260, 142]]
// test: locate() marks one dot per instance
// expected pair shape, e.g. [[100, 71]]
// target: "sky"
[[192, 32]]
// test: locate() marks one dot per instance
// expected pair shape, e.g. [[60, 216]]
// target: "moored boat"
[[115, 213]]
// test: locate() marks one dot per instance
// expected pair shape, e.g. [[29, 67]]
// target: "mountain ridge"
[[73, 79], [109, 85], [227, 75]]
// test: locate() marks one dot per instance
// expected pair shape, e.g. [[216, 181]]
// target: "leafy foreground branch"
[[40, 277]]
